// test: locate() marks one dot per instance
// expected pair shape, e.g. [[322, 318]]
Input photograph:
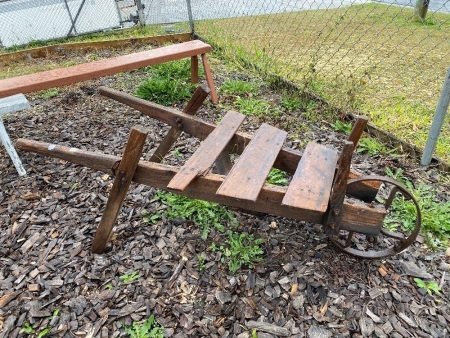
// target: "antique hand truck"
[[355, 211]]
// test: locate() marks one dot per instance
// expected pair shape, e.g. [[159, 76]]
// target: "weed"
[[254, 333], [202, 213], [177, 152], [344, 127], [163, 91], [201, 262], [251, 106], [28, 328], [291, 103], [371, 146], [431, 286], [148, 329], [277, 177], [49, 93], [109, 286], [168, 83], [435, 214], [127, 278], [239, 87], [44, 332], [241, 250]]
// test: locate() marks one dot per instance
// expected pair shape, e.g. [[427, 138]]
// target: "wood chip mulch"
[[303, 288]]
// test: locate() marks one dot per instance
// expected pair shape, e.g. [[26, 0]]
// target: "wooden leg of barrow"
[[333, 216], [174, 133], [122, 181]]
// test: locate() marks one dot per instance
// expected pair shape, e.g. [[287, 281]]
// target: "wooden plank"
[[204, 187], [174, 133], [122, 181], [287, 159], [205, 156], [64, 76], [44, 52], [310, 187], [249, 173]]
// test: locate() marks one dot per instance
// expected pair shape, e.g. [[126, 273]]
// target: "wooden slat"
[[210, 149], [248, 175], [310, 187], [63, 76]]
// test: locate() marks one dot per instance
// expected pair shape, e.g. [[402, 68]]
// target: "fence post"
[[438, 120], [191, 19], [421, 8], [140, 12]]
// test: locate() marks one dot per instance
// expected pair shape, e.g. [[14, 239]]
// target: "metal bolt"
[[336, 212]]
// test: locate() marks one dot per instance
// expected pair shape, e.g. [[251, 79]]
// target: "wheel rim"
[[348, 242]]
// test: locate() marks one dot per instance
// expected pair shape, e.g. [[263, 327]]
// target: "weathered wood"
[[208, 151], [64, 76], [249, 173], [209, 79], [269, 328], [333, 218], [358, 129], [44, 52], [204, 187], [174, 133], [287, 159], [122, 181], [311, 184], [194, 69]]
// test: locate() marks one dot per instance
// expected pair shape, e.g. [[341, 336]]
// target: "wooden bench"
[[64, 76], [10, 105]]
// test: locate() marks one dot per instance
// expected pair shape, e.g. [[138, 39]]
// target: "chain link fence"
[[372, 57]]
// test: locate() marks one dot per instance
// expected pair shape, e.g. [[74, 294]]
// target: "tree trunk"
[[421, 8]]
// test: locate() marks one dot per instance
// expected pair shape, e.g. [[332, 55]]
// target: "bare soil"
[[303, 288]]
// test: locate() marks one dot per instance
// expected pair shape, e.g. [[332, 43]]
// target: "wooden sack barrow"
[[352, 209]]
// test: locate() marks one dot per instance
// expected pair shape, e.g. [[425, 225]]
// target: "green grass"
[[277, 177], [240, 250], [129, 277], [148, 329], [371, 58], [253, 107], [435, 214], [239, 87], [204, 214], [167, 83]]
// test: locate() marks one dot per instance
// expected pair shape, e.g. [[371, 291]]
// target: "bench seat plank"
[[248, 175], [208, 151], [64, 76], [310, 187]]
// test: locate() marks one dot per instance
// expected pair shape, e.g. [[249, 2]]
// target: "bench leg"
[[194, 69], [125, 173], [4, 137], [209, 80]]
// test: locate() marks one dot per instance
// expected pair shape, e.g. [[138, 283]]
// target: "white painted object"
[[10, 105]]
